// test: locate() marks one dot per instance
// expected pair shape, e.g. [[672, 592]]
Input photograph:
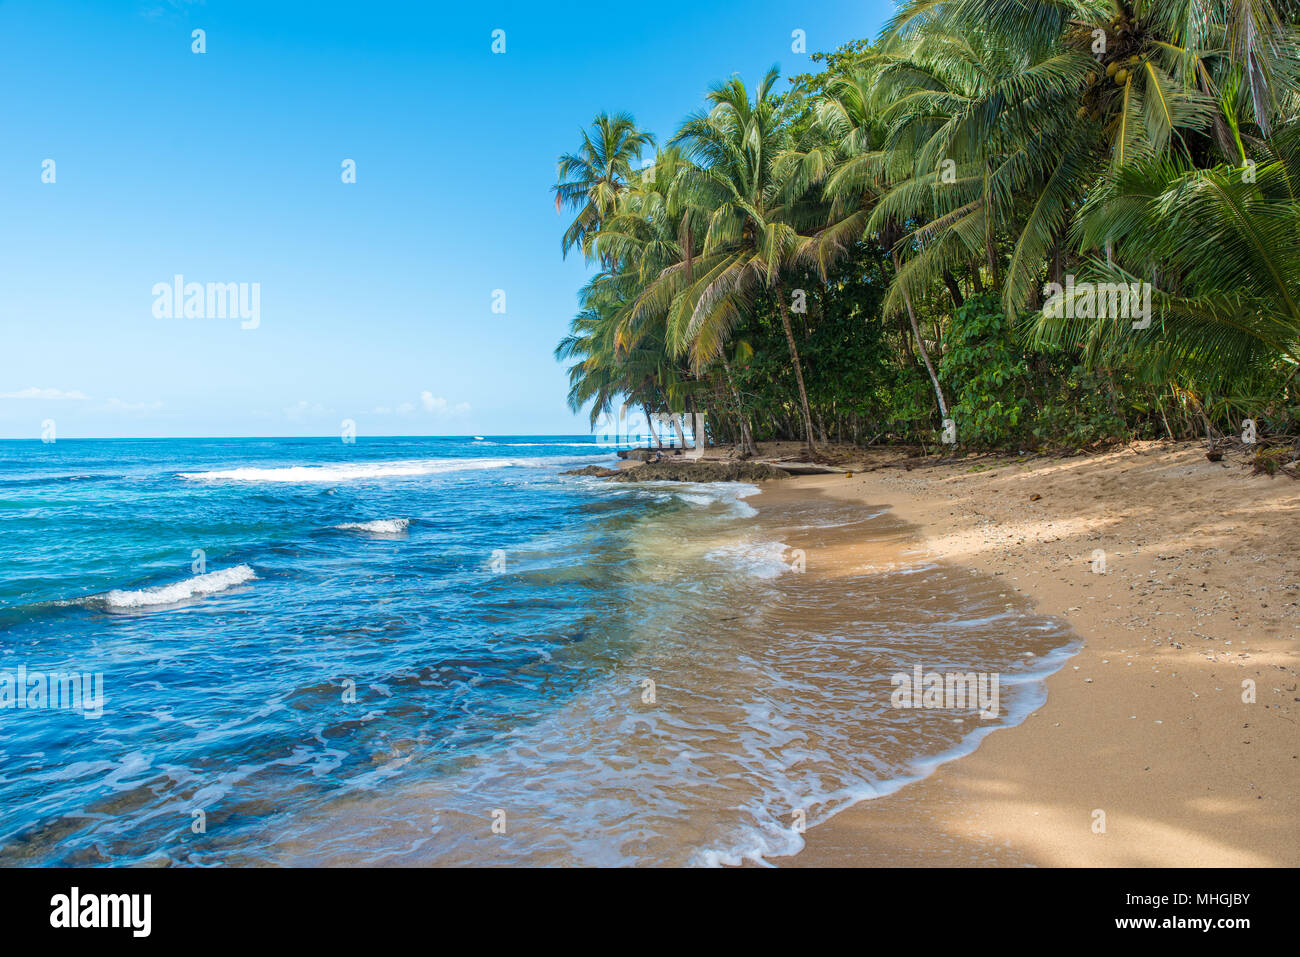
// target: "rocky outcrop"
[[599, 471], [704, 471], [647, 455]]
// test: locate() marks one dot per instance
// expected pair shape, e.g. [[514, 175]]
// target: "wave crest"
[[345, 472], [380, 526], [206, 584]]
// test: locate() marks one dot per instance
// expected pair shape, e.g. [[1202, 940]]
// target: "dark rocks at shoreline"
[[703, 471], [599, 471], [647, 455]]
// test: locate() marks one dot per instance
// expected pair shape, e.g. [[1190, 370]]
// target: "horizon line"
[[164, 438]]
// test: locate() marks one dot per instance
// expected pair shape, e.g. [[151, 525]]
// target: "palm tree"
[[749, 236], [1035, 100], [985, 144], [844, 156], [642, 373], [1228, 243], [591, 179]]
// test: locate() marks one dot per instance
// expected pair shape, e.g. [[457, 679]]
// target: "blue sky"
[[375, 297]]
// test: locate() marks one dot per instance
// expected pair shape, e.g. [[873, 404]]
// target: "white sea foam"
[[729, 494], [534, 445], [763, 837], [760, 559], [206, 584], [353, 471], [380, 526]]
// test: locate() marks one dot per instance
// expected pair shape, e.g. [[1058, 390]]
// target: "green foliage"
[[795, 262], [857, 388], [987, 373], [1006, 395], [1076, 408]]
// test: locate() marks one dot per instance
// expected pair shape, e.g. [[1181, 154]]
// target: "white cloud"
[[430, 403], [35, 393], [439, 406]]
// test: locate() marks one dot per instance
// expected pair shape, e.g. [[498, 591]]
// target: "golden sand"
[[1148, 751]]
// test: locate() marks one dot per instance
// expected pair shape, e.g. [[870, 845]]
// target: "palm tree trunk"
[[650, 424], [798, 367], [954, 289], [920, 345], [674, 419]]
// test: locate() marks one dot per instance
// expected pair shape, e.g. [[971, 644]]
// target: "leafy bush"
[[986, 374]]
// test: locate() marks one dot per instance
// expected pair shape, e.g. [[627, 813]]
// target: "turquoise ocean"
[[444, 650]]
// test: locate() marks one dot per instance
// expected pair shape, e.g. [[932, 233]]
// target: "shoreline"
[[1180, 578]]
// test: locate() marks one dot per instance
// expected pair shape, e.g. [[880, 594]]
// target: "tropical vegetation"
[[1012, 223]]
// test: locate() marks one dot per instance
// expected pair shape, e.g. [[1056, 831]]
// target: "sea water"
[[443, 650]]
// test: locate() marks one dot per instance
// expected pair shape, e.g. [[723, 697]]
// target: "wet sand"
[[1182, 578]]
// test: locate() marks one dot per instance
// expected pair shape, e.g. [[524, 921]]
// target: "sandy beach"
[[1181, 577]]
